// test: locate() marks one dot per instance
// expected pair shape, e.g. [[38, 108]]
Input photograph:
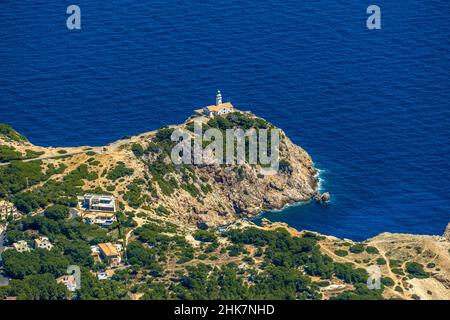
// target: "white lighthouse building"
[[218, 109], [218, 98]]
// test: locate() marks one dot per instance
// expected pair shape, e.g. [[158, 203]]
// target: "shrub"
[[164, 134], [8, 132], [398, 271], [259, 252], [345, 272], [341, 253], [18, 174], [133, 195], [372, 250], [387, 281], [285, 166], [357, 248], [57, 212], [248, 260], [416, 270], [235, 250], [394, 263], [30, 154], [205, 236], [191, 189], [162, 211], [137, 149], [381, 261], [9, 153], [119, 171]]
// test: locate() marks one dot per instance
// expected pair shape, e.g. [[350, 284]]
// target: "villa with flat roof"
[[217, 109], [21, 246], [98, 202], [103, 219], [98, 209], [43, 243]]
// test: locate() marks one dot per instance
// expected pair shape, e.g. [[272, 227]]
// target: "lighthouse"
[[218, 98], [217, 109]]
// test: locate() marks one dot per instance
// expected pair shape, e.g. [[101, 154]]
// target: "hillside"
[[138, 171], [167, 223]]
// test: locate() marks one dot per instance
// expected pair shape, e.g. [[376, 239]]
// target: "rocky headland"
[[150, 189]]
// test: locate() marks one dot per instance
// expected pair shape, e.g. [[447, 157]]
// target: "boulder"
[[322, 197], [325, 197]]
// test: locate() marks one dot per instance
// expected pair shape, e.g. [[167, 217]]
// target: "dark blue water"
[[371, 107]]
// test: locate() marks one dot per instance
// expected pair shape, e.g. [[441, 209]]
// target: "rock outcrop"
[[190, 194], [446, 234], [322, 197]]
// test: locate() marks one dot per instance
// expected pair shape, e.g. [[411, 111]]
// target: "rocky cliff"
[[139, 172]]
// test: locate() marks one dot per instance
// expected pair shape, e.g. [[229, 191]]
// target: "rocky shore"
[[212, 194]]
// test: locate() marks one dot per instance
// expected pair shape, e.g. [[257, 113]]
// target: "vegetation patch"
[[357, 248], [372, 250], [9, 133], [341, 253], [416, 270], [9, 153], [137, 149], [119, 171]]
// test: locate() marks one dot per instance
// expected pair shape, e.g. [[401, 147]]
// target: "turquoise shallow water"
[[371, 107]]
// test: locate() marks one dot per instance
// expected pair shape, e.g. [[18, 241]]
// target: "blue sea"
[[370, 106]]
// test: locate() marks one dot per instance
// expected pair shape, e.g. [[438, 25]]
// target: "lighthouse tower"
[[218, 98]]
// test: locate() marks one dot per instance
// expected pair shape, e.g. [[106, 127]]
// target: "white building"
[[98, 209], [99, 202], [43, 243], [106, 275], [7, 210], [218, 109], [21, 246], [103, 219]]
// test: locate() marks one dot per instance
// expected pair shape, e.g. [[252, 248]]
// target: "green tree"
[[37, 287], [416, 270], [20, 264], [57, 212], [79, 252]]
